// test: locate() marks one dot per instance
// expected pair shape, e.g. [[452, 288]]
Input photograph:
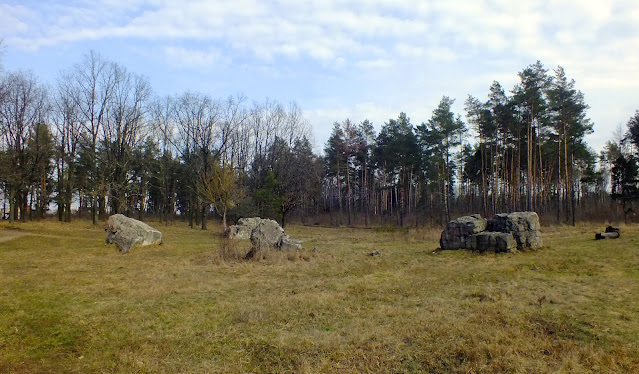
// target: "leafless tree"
[[92, 84], [200, 138], [22, 108], [123, 131], [67, 135], [162, 127]]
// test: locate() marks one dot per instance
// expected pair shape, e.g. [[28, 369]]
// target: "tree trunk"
[[13, 211], [191, 215], [94, 210], [484, 198], [204, 211], [446, 202], [567, 175], [572, 191], [224, 225], [25, 207], [348, 193], [529, 162], [559, 181], [283, 215], [339, 193]]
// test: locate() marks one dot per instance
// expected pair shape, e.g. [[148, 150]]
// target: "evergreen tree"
[[440, 137], [568, 115], [625, 174], [335, 166], [531, 105], [397, 155]]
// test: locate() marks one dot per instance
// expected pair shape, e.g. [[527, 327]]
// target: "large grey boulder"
[[128, 233], [459, 233], [267, 233], [288, 244], [524, 226], [503, 233], [515, 222], [495, 242], [244, 228]]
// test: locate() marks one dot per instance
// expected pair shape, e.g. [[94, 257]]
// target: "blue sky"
[[341, 59]]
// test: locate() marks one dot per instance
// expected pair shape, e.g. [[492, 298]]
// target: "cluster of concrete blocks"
[[503, 233]]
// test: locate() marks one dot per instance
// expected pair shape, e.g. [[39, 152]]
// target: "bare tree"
[[200, 142], [23, 107], [67, 133], [123, 131], [92, 83], [163, 127]]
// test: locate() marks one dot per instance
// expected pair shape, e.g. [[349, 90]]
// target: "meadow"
[[69, 303]]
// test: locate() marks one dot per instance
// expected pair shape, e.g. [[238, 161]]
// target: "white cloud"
[[13, 19], [442, 54], [192, 58], [376, 64], [406, 49], [325, 30]]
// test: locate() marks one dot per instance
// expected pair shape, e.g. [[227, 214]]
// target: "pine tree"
[[398, 156], [439, 137]]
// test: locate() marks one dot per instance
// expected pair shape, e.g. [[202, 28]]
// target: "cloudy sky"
[[341, 59]]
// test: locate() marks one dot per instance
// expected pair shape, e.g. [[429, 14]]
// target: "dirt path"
[[7, 235]]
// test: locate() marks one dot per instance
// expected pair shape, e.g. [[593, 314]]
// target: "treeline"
[[522, 150], [98, 142]]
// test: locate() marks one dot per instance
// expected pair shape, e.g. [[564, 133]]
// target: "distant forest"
[[98, 142]]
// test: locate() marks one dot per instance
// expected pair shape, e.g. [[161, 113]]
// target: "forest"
[[97, 141]]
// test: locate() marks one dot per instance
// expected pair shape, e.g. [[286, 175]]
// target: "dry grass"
[[68, 303]]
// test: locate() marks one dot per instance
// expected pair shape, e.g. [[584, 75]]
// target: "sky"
[[341, 59]]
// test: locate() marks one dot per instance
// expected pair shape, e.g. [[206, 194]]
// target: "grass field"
[[69, 303]]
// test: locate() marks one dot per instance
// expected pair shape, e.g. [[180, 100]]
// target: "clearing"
[[69, 303]]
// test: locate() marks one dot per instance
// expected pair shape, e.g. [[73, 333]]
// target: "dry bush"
[[232, 249], [275, 256]]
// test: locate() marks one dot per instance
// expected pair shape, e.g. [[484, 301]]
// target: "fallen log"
[[607, 235]]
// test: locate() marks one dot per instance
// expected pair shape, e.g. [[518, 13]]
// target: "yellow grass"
[[69, 303]]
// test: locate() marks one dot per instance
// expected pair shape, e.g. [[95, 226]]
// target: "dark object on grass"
[[606, 235], [611, 233], [613, 229], [376, 252]]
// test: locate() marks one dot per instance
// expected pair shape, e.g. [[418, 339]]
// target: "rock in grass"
[[263, 233], [607, 235], [128, 233], [244, 228], [524, 226], [288, 244], [495, 242], [267, 234], [459, 233], [503, 233]]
